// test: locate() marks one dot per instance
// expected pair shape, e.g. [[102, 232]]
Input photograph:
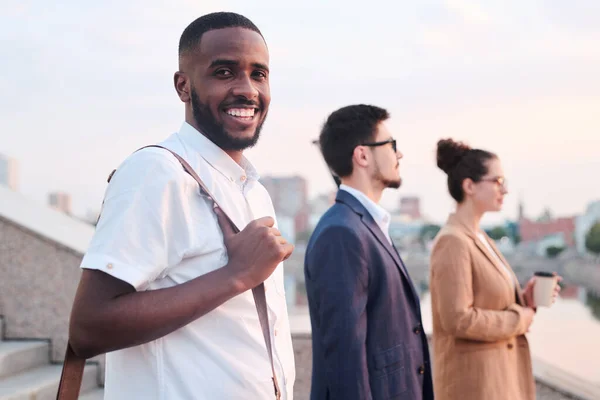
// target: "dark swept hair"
[[345, 129], [190, 38], [459, 161]]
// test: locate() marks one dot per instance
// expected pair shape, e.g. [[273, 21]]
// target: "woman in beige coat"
[[480, 313]]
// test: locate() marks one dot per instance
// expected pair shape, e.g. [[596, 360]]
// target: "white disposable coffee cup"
[[543, 290]]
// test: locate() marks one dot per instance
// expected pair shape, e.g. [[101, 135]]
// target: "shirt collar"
[[216, 157], [379, 214]]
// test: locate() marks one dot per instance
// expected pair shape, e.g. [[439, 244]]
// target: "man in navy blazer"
[[367, 335]]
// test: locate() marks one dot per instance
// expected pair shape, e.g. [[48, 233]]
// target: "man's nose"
[[245, 87]]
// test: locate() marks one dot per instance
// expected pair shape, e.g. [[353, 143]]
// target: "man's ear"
[[361, 156], [182, 86]]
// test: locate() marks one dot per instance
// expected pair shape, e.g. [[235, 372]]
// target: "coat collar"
[[455, 221]]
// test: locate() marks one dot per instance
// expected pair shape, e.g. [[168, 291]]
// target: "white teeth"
[[241, 112]]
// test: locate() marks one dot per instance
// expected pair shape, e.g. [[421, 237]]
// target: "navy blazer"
[[367, 335]]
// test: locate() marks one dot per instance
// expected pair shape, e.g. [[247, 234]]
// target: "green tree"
[[593, 303], [553, 251], [592, 239], [428, 232], [517, 239], [497, 233]]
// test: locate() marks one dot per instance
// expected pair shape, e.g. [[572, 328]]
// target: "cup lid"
[[544, 274]]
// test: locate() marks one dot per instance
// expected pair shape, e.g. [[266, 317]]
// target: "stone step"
[[42, 383], [96, 394], [21, 355]]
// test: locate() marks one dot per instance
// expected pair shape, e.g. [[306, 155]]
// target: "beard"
[[386, 182], [216, 132]]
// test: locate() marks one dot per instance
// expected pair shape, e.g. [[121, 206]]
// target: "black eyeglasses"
[[498, 180], [375, 144]]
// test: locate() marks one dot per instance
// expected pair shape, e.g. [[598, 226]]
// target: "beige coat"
[[479, 348]]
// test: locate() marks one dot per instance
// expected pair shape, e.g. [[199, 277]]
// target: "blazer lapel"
[[483, 248], [518, 290], [494, 260], [376, 231], [370, 223]]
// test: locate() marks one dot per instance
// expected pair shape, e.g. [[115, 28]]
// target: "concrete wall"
[[38, 280]]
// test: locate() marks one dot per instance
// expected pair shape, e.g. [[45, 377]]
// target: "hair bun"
[[449, 154]]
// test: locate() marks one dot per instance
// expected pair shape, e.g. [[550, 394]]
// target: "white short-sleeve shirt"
[[158, 231]]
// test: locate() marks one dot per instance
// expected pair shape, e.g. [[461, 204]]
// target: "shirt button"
[[510, 346], [243, 178], [421, 370], [417, 330], [109, 266]]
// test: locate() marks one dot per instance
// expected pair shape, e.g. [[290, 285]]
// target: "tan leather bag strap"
[[258, 292], [72, 373], [70, 379]]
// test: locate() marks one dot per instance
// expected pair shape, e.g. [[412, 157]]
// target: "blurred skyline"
[[84, 85]]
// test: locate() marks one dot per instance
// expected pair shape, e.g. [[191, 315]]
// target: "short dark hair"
[[345, 129], [459, 161], [190, 38]]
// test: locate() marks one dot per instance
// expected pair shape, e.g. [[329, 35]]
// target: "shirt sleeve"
[[142, 227]]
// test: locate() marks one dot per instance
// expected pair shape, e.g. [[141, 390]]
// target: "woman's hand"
[[528, 291]]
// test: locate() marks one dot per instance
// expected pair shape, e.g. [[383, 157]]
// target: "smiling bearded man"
[[168, 285]]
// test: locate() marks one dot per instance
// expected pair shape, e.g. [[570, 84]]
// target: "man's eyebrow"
[[224, 62], [260, 66]]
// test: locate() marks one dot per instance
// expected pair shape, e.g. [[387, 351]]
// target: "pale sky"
[[83, 84]]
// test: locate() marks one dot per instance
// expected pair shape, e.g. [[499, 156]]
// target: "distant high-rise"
[[290, 198], [60, 201], [410, 207], [9, 172]]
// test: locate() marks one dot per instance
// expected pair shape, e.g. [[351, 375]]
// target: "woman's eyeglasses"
[[499, 180]]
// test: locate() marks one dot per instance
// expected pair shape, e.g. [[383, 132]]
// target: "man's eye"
[[260, 74], [223, 72]]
